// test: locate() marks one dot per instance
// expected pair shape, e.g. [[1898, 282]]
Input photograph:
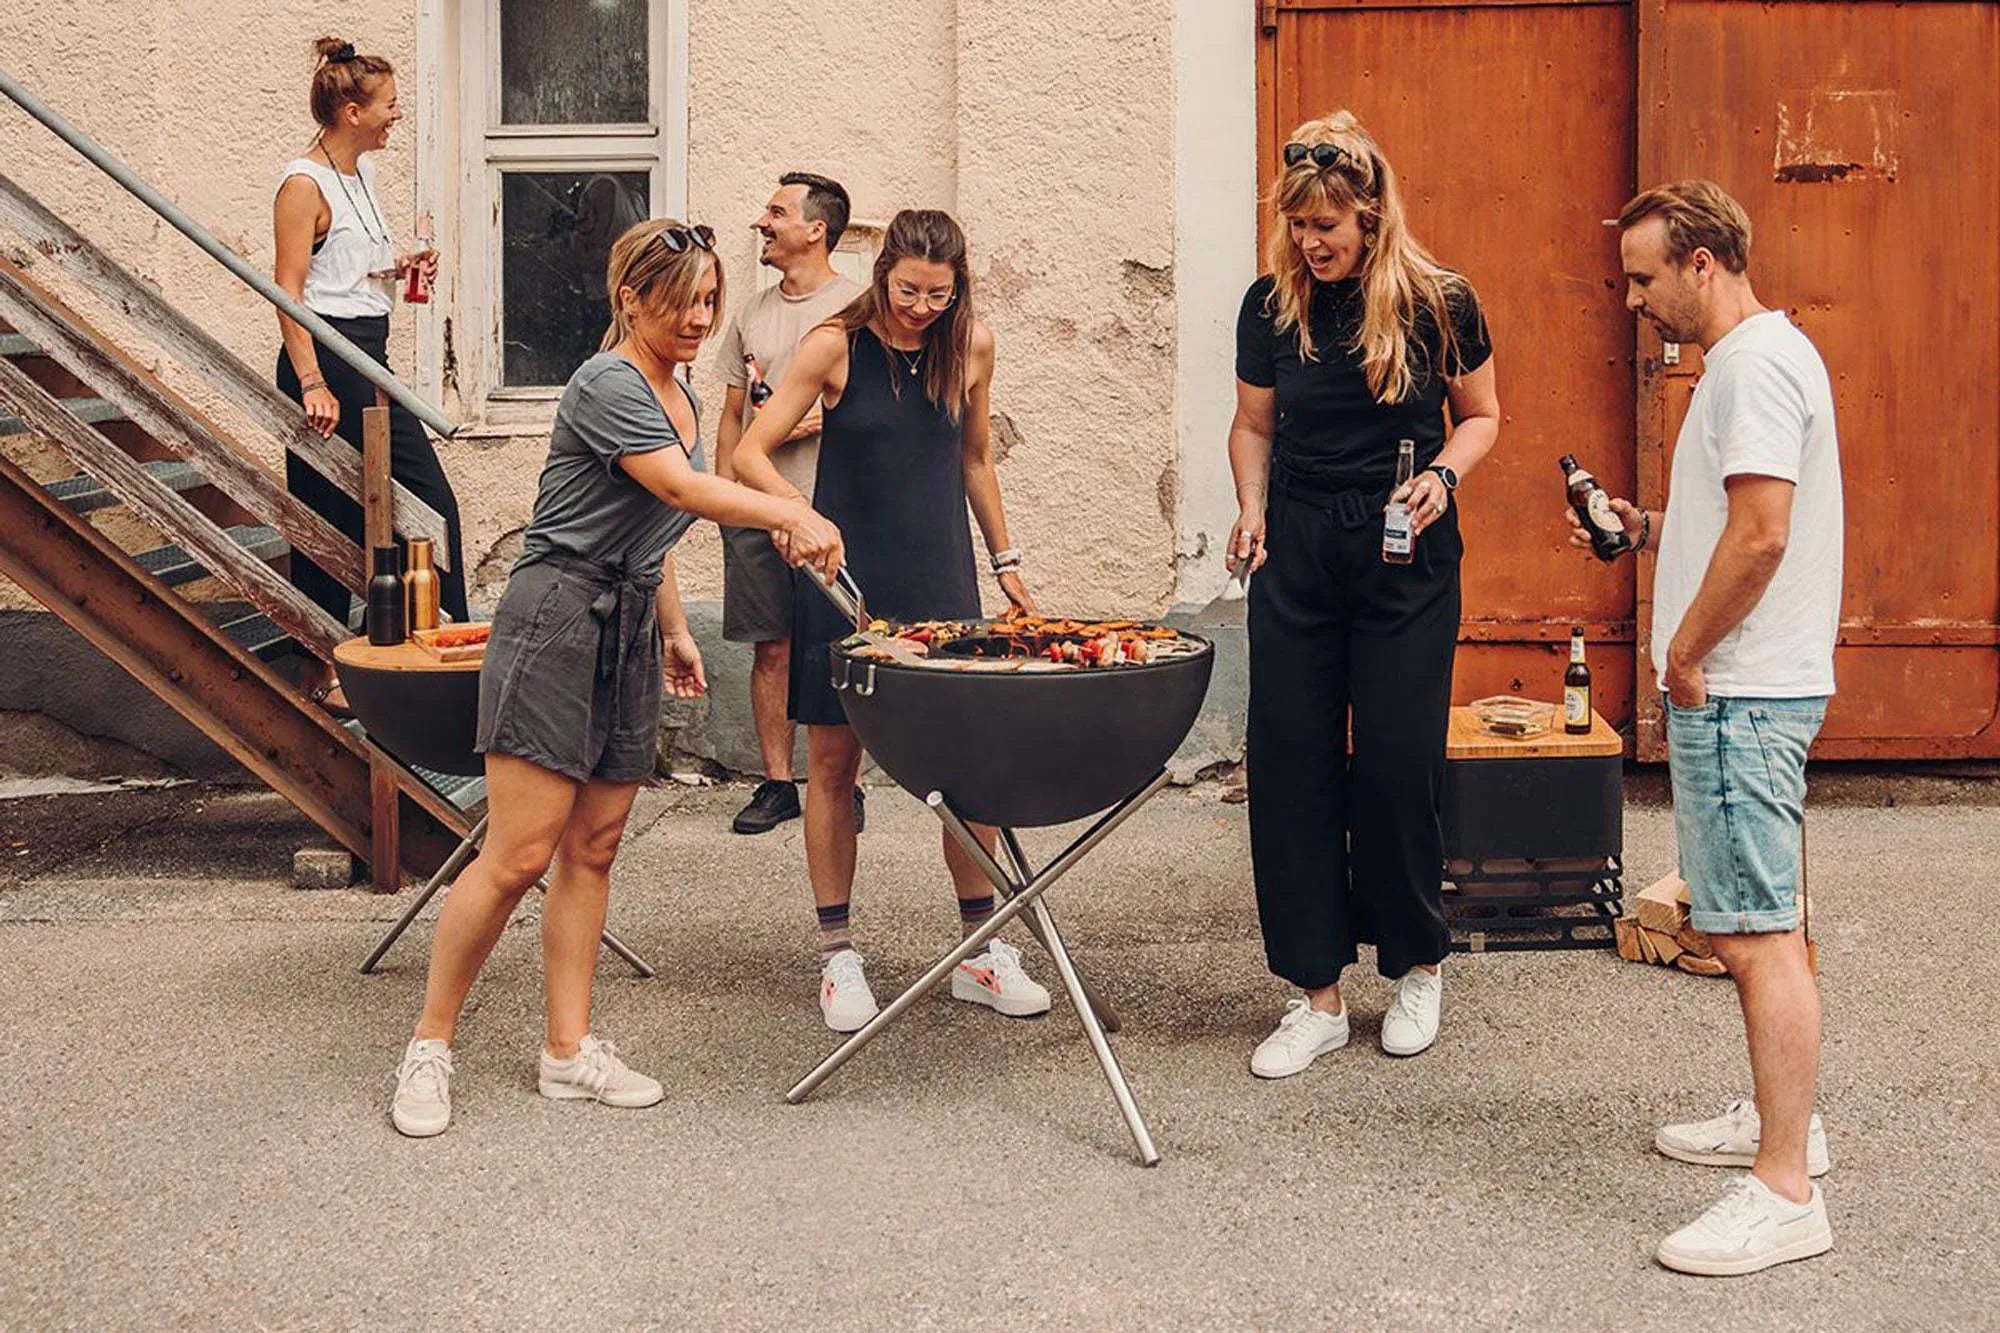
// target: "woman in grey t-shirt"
[[587, 635]]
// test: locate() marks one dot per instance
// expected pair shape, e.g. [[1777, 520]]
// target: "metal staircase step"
[[85, 494], [461, 791], [90, 411], [253, 631], [18, 344], [173, 566]]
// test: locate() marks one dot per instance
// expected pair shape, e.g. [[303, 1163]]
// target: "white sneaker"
[[995, 979], [1303, 1035], [1747, 1232], [1732, 1139], [844, 998], [596, 1074], [422, 1105], [1411, 1024]]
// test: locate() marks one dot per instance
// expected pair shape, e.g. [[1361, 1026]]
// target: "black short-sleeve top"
[[1330, 429]]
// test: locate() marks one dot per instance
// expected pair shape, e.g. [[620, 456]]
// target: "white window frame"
[[467, 151]]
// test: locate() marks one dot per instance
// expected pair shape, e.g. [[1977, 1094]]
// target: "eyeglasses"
[[1324, 156], [910, 296], [678, 239]]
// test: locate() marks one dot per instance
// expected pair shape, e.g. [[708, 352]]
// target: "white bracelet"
[[1006, 560]]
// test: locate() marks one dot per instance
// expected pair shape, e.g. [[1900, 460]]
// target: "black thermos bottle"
[[385, 599]]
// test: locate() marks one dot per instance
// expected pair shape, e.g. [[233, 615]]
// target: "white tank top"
[[356, 244]]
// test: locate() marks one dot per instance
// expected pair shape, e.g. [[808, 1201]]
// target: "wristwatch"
[[1446, 474]]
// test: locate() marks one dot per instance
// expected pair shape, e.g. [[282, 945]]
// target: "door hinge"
[[1267, 16]]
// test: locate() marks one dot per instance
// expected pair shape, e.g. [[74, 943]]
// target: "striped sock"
[[973, 912], [833, 936]]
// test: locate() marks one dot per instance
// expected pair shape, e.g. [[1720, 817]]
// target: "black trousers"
[[412, 461], [1347, 848]]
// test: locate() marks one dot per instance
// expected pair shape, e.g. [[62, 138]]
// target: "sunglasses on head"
[[1323, 155], [678, 239]]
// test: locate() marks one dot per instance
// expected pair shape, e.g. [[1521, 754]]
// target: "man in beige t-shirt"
[[800, 227]]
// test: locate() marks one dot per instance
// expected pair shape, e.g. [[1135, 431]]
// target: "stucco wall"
[[1048, 127]]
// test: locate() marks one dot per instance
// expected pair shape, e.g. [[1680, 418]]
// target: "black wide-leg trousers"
[[1347, 848], [412, 461]]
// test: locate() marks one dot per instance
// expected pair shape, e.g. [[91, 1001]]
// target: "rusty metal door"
[[1864, 139], [1511, 127]]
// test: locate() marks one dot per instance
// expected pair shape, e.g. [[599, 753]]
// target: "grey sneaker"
[[1732, 1139], [422, 1105], [596, 1074], [1750, 1230]]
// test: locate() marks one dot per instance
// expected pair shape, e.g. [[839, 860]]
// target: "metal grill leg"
[[1021, 898]]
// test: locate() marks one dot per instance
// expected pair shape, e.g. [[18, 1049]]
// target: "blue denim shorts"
[[1739, 777]]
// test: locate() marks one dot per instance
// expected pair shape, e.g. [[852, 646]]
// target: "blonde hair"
[[662, 278], [1399, 277], [1700, 215]]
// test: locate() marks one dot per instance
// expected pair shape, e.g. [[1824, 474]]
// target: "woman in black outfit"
[[335, 254], [1355, 340], [905, 375]]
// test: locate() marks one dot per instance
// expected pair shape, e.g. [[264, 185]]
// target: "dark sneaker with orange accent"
[[995, 979]]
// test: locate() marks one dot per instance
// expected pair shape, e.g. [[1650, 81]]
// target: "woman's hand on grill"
[[1427, 498], [322, 409], [1246, 553], [681, 664], [1020, 601], [810, 538]]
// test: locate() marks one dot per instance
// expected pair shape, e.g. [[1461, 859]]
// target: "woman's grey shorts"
[[572, 677]]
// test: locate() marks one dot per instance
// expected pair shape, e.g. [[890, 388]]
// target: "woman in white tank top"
[[337, 254]]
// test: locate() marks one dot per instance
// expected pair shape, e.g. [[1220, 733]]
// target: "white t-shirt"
[[1764, 407]]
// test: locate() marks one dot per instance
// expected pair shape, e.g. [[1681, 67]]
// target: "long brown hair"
[[1398, 276], [343, 78], [664, 280], [932, 236]]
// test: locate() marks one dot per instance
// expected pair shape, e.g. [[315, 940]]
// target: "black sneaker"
[[860, 810], [774, 802]]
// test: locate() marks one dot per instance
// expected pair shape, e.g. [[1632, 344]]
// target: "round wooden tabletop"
[[405, 656]]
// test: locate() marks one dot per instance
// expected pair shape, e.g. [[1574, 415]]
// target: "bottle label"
[[1396, 538], [1599, 505], [1576, 704]]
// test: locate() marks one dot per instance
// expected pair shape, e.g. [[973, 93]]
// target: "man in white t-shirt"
[[800, 225], [1746, 608]]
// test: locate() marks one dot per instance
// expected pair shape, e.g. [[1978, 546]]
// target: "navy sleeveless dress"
[[892, 476]]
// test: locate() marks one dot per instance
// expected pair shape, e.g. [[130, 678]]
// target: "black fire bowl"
[[427, 719], [1027, 749]]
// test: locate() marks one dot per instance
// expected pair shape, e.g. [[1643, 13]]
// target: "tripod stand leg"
[[445, 874]]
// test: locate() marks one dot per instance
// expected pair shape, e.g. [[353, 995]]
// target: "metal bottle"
[[422, 584]]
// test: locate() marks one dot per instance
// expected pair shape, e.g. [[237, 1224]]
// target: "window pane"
[[556, 230], [573, 62]]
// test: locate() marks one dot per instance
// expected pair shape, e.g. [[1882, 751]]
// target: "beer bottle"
[[1593, 508], [1576, 687], [1399, 543], [760, 388]]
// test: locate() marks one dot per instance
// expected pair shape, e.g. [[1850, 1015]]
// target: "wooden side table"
[[1534, 835]]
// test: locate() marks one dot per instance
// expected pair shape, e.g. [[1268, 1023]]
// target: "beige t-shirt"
[[769, 328]]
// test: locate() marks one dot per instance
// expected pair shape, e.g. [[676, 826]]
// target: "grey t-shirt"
[[585, 504]]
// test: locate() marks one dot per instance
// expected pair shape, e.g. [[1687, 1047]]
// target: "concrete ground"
[[198, 1133]]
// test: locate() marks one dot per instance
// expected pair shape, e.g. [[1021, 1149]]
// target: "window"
[[572, 131]]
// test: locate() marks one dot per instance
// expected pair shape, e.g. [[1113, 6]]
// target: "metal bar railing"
[[365, 365]]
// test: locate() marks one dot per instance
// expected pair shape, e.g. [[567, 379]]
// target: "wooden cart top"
[[405, 656], [1466, 740]]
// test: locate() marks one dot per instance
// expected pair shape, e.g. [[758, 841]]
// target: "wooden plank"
[[1466, 741], [376, 511], [170, 512], [175, 424], [184, 341], [385, 864], [241, 704], [409, 656]]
